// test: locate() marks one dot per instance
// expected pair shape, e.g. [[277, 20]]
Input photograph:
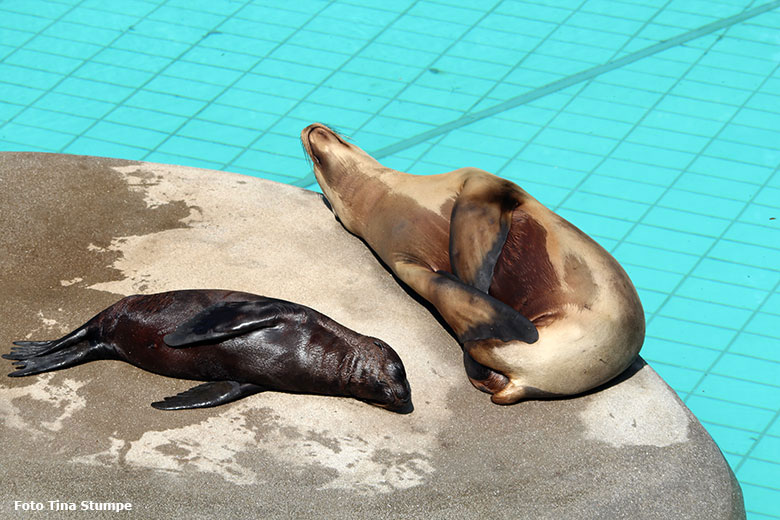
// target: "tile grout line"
[[563, 83], [192, 116], [500, 81], [577, 78], [281, 117], [309, 178]]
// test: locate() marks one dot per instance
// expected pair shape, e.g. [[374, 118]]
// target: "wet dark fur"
[[251, 342]]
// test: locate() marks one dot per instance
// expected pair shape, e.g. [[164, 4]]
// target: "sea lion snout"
[[320, 142], [390, 388]]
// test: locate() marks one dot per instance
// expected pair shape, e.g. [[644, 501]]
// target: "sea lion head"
[[351, 179], [376, 375]]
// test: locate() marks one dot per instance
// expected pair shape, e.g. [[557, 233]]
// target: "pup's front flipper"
[[229, 319], [213, 393], [472, 314]]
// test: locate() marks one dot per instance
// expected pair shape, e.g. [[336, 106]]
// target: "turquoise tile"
[[184, 88], [760, 499], [676, 329], [714, 314], [675, 353], [547, 13], [138, 8], [168, 31], [134, 42], [166, 103], [768, 449], [701, 203], [668, 139], [187, 17], [632, 170], [9, 110], [653, 257], [103, 19], [681, 379], [722, 293], [113, 75], [19, 94], [256, 29], [372, 14], [234, 43], [730, 168], [82, 33], [738, 391], [55, 121], [653, 155], [684, 242], [509, 24], [749, 254], [61, 47], [747, 368], [652, 278], [422, 113], [764, 323], [671, 121], [224, 59], [717, 187], [238, 117], [437, 98], [30, 135], [22, 22], [141, 118], [364, 84], [50, 10], [221, 7], [123, 134], [43, 61], [760, 472], [696, 107], [736, 273], [757, 346], [685, 221], [204, 73], [93, 89], [732, 440], [187, 147], [167, 158], [26, 77], [753, 234], [72, 104], [346, 117], [100, 148], [729, 414]]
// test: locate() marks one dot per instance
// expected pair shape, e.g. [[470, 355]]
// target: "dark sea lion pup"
[[240, 343], [540, 309]]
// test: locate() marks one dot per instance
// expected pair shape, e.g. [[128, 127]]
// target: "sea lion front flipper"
[[225, 320], [479, 225], [213, 393], [472, 314]]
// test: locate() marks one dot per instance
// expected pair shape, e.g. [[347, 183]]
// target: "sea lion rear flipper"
[[472, 314], [213, 393], [479, 225], [225, 320]]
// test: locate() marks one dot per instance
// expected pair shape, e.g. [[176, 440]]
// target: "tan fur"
[[587, 313]]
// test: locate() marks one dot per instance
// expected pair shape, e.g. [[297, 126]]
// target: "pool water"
[[652, 125]]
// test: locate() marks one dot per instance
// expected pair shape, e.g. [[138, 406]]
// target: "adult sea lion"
[[540, 309], [240, 343]]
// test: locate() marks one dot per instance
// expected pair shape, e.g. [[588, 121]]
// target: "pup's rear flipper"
[[64, 358], [213, 393], [28, 349]]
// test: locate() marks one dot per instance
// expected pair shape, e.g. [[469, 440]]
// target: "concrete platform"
[[78, 233]]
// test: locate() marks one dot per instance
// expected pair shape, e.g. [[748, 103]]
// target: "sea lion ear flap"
[[224, 320], [479, 225]]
